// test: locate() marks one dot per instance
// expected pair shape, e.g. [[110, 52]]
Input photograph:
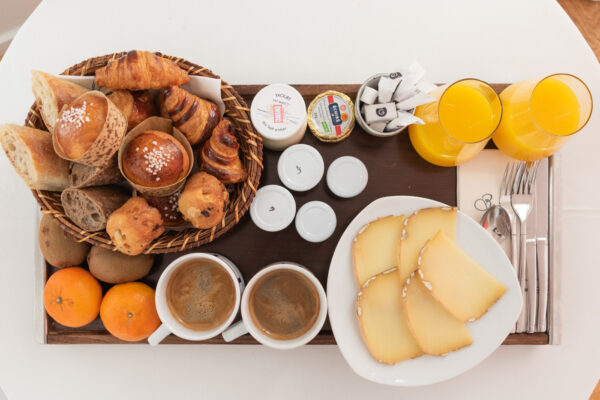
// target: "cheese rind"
[[435, 330], [374, 249], [459, 283], [419, 227], [383, 322]]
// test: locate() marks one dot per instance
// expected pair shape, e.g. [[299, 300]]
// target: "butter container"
[[331, 116], [278, 113]]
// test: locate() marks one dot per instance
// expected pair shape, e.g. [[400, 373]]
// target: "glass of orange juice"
[[458, 125], [540, 115]]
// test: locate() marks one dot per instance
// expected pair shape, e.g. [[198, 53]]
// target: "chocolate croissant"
[[193, 116], [219, 155], [140, 70]]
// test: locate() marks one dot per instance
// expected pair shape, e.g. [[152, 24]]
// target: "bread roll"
[[89, 130], [219, 155], [30, 152], [89, 208], [59, 248], [203, 200], [193, 116], [136, 106], [85, 176], [168, 208], [155, 159], [134, 226], [115, 267], [51, 94]]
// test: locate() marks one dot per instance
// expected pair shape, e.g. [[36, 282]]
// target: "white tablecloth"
[[308, 41]]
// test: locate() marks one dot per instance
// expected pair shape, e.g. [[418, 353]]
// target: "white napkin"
[[201, 86], [478, 182]]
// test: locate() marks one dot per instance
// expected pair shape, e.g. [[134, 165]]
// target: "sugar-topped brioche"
[[155, 159], [79, 124]]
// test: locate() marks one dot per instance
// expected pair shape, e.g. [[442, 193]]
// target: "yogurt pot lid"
[[315, 221], [278, 111], [300, 167], [273, 208], [347, 176]]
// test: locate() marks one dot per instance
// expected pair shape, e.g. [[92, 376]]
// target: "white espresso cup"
[[247, 325], [169, 322]]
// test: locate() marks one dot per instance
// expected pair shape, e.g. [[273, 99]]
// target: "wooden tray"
[[394, 169]]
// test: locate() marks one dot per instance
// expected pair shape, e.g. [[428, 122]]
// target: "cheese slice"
[[461, 285], [375, 247], [435, 330], [419, 227], [382, 320]]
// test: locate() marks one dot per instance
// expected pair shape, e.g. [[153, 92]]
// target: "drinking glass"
[[541, 115], [459, 124]]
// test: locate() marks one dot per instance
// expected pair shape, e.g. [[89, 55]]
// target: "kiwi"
[[58, 248], [115, 267]]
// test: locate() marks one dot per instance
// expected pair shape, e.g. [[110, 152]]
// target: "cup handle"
[[235, 331], [158, 335]]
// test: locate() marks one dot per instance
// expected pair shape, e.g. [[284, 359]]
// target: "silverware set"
[[523, 215]]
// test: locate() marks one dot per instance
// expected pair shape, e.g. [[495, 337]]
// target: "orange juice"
[[458, 125], [540, 115]]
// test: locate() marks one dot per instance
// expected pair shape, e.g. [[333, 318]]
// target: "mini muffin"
[[155, 159], [58, 248], [134, 226], [89, 130], [168, 208], [203, 200], [136, 106]]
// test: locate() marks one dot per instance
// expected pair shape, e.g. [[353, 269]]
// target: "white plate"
[[488, 332]]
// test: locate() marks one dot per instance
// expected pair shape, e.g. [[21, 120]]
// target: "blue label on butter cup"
[[334, 111]]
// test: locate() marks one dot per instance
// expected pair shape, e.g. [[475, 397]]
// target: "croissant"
[[140, 70], [219, 155], [193, 116]]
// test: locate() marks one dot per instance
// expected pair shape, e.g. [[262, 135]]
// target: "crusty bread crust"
[[51, 94], [89, 208], [30, 152]]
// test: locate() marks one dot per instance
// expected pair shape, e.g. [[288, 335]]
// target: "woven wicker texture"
[[171, 241]]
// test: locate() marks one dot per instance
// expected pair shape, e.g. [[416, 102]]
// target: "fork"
[[522, 201], [505, 193]]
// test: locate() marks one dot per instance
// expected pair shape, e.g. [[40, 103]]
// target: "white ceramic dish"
[[488, 332], [347, 176], [300, 167], [315, 221]]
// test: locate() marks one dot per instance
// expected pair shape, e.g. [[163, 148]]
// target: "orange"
[[128, 311], [72, 297]]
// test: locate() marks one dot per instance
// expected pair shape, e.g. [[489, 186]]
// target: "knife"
[[531, 266], [542, 216]]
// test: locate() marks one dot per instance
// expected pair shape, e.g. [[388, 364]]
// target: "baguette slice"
[[461, 285], [382, 320], [51, 94], [435, 330], [374, 249], [30, 152], [419, 227], [81, 175], [89, 208]]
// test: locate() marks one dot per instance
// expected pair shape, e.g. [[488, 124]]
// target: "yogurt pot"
[[278, 113]]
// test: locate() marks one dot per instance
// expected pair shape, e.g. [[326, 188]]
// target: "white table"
[[308, 41]]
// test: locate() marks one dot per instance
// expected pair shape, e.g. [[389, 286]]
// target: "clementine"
[[72, 296], [128, 311]]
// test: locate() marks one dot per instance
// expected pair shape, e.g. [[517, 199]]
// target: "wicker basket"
[[171, 241]]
